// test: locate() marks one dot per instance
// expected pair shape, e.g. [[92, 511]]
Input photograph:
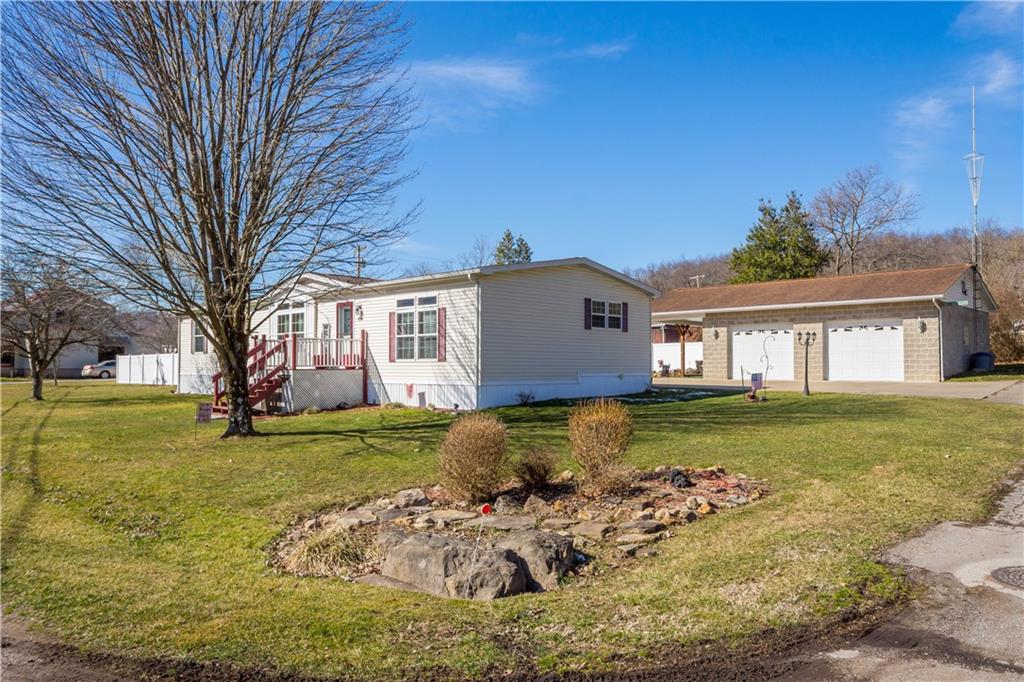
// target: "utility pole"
[[697, 279], [359, 260]]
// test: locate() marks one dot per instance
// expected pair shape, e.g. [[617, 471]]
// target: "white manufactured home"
[[467, 339]]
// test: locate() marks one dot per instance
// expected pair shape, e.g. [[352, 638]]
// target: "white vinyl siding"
[[195, 370], [533, 327]]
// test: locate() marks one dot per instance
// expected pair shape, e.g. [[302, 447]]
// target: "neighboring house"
[[910, 325], [471, 339], [70, 361]]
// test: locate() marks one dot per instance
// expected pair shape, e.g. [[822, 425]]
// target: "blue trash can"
[[983, 362]]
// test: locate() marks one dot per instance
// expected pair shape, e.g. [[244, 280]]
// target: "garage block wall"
[[920, 348], [958, 337]]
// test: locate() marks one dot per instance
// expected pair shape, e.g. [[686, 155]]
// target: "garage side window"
[[198, 340]]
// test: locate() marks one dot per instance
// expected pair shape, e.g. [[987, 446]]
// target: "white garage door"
[[750, 345], [859, 351]]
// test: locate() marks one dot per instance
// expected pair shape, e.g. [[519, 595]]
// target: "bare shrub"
[[472, 456], [536, 467], [525, 398], [599, 433], [330, 552], [612, 479]]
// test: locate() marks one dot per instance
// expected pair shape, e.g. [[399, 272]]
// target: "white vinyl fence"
[[669, 354], [155, 369]]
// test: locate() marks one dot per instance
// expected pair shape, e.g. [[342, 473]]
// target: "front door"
[[345, 320]]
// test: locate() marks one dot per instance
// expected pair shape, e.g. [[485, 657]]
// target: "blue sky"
[[634, 133]]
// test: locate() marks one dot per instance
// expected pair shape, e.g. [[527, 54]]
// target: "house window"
[[291, 323], [598, 314], [606, 315], [614, 315], [198, 340], [346, 321], [416, 330]]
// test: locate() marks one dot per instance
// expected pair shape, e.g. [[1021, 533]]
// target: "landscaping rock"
[[557, 524], [642, 526], [677, 478], [644, 515], [629, 550], [450, 567], [638, 504], [636, 539], [738, 500], [695, 501], [593, 530], [612, 500], [504, 504], [705, 509], [661, 469], [666, 515], [502, 522], [688, 516], [564, 477], [544, 557], [348, 520], [442, 516], [388, 515], [411, 497], [537, 506], [589, 514]]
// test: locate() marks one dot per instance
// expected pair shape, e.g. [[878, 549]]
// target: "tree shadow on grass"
[[20, 518]]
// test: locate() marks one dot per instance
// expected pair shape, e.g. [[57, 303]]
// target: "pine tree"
[[524, 254], [781, 245], [511, 249]]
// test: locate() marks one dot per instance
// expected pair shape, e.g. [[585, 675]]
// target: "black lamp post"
[[806, 340]]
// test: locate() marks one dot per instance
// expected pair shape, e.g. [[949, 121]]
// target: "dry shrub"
[[472, 456], [599, 433], [536, 467], [612, 479], [330, 552]]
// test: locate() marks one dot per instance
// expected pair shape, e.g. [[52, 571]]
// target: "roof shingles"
[[921, 282]]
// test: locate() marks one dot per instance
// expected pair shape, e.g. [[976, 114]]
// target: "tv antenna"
[[697, 279], [975, 163]]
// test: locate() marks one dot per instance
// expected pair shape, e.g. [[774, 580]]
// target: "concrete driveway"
[[968, 626], [1007, 392]]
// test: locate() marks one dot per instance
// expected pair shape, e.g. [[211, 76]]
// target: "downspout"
[[942, 367], [479, 339]]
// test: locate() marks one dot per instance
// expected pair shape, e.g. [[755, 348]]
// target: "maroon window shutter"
[[441, 334], [625, 316], [392, 344], [586, 313]]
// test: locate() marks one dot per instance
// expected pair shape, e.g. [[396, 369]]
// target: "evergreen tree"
[[511, 249], [524, 254], [781, 245]]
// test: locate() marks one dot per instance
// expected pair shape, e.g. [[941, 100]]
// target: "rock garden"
[[483, 534]]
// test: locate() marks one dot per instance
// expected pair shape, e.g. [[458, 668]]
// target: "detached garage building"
[[908, 325]]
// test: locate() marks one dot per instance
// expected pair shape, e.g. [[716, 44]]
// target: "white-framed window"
[[416, 328], [198, 340], [606, 314], [291, 323]]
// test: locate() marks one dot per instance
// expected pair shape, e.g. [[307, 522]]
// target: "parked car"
[[102, 370]]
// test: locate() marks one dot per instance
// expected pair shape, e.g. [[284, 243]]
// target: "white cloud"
[[607, 50], [918, 122], [458, 91], [997, 75], [979, 19]]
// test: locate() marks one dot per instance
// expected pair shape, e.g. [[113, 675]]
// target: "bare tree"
[[47, 308], [858, 207], [198, 156], [152, 331]]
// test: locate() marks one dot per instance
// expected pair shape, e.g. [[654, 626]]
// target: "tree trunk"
[[234, 369], [37, 379]]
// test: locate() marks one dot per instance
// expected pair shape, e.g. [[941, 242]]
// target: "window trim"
[[606, 316], [291, 316], [416, 310], [197, 334]]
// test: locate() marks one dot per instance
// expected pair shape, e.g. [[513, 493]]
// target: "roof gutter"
[[672, 314], [942, 367]]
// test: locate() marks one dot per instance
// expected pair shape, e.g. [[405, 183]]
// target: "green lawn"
[[1006, 371], [124, 531]]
